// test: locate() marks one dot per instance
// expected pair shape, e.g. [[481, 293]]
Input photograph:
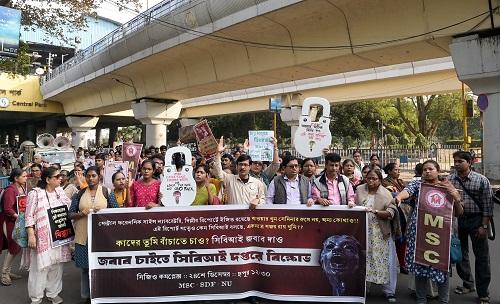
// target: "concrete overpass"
[[186, 49]]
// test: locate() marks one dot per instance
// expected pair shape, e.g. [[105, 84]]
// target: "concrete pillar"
[[98, 137], [51, 127], [79, 127], [477, 61], [113, 131], [156, 116], [143, 134], [291, 116]]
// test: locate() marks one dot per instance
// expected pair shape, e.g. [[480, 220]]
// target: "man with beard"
[[241, 189], [158, 166], [342, 261]]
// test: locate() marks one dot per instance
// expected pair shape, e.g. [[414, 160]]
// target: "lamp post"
[[381, 128]]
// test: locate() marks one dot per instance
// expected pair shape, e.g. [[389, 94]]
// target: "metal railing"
[[140, 21]]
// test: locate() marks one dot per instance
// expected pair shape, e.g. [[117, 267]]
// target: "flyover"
[[183, 49]]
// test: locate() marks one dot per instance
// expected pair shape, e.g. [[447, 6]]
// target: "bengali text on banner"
[[228, 252]]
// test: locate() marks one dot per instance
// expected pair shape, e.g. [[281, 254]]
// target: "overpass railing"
[[140, 21]]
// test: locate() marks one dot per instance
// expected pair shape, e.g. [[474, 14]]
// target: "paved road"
[[17, 293]]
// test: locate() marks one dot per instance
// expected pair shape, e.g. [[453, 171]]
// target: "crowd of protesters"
[[233, 178]]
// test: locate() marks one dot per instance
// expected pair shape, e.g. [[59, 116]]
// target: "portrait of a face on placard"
[[178, 186]]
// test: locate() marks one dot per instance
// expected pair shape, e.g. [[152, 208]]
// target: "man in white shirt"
[[241, 189]]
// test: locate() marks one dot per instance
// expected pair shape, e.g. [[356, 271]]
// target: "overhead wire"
[[256, 44]]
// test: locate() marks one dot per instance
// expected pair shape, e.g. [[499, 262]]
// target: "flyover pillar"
[[113, 131], [291, 116], [79, 127], [477, 61], [156, 116], [51, 127]]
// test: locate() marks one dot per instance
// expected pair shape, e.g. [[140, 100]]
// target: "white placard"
[[261, 145], [178, 188]]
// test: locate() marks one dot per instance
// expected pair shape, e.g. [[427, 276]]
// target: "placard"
[[88, 162], [311, 137], [21, 202], [435, 213], [261, 146], [228, 252], [132, 153], [206, 140], [178, 188], [110, 168], [61, 228]]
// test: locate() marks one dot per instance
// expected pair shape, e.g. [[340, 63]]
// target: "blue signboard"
[[10, 25], [275, 104]]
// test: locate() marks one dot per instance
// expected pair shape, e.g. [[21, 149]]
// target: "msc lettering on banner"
[[435, 211]]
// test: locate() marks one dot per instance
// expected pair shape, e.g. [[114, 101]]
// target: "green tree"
[[423, 115]]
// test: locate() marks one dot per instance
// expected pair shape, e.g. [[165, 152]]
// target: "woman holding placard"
[[424, 273], [46, 259], [91, 199], [8, 219], [206, 194]]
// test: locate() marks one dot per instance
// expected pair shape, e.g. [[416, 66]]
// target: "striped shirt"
[[479, 186]]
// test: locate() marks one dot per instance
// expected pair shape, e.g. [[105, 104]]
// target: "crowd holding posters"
[[229, 252], [261, 145], [110, 168], [132, 153], [206, 140], [434, 217]]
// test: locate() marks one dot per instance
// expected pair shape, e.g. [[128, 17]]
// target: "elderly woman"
[[392, 182], [348, 167], [91, 199], [424, 273], [8, 219], [46, 261], [381, 259]]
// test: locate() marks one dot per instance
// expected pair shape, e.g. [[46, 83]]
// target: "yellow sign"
[[22, 94]]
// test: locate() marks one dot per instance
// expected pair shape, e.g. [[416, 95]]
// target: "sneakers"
[[391, 299], [37, 302], [5, 280], [56, 300]]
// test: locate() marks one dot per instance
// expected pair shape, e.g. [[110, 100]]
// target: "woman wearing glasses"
[[91, 199], [46, 261]]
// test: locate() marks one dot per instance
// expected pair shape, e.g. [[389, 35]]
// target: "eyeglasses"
[[56, 176], [372, 178], [292, 166]]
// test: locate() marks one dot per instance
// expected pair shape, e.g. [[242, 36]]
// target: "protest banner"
[[88, 162], [261, 147], [311, 137], [178, 188], [206, 140], [290, 253], [61, 228], [110, 168], [132, 153], [21, 202], [434, 217]]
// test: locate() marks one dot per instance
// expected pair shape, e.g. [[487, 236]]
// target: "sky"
[[112, 12]]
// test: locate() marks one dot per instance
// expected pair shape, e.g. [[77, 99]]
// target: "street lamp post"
[[381, 128]]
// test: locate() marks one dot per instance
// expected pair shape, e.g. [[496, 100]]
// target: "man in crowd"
[[227, 162], [473, 223], [241, 189], [289, 188], [331, 187], [158, 166], [100, 159], [257, 168]]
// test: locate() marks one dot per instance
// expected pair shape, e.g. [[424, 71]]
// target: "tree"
[[423, 115]]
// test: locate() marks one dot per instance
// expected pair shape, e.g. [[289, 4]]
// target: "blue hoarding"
[[10, 25]]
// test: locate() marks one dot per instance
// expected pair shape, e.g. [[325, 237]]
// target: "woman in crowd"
[[381, 259], [206, 194], [91, 199], [348, 167], [121, 188], [69, 188], [309, 166], [79, 179], [392, 182], [36, 173], [8, 219], [424, 273], [46, 262], [146, 191]]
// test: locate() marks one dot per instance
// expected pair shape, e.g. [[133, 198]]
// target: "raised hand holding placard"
[[178, 188], [311, 137]]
